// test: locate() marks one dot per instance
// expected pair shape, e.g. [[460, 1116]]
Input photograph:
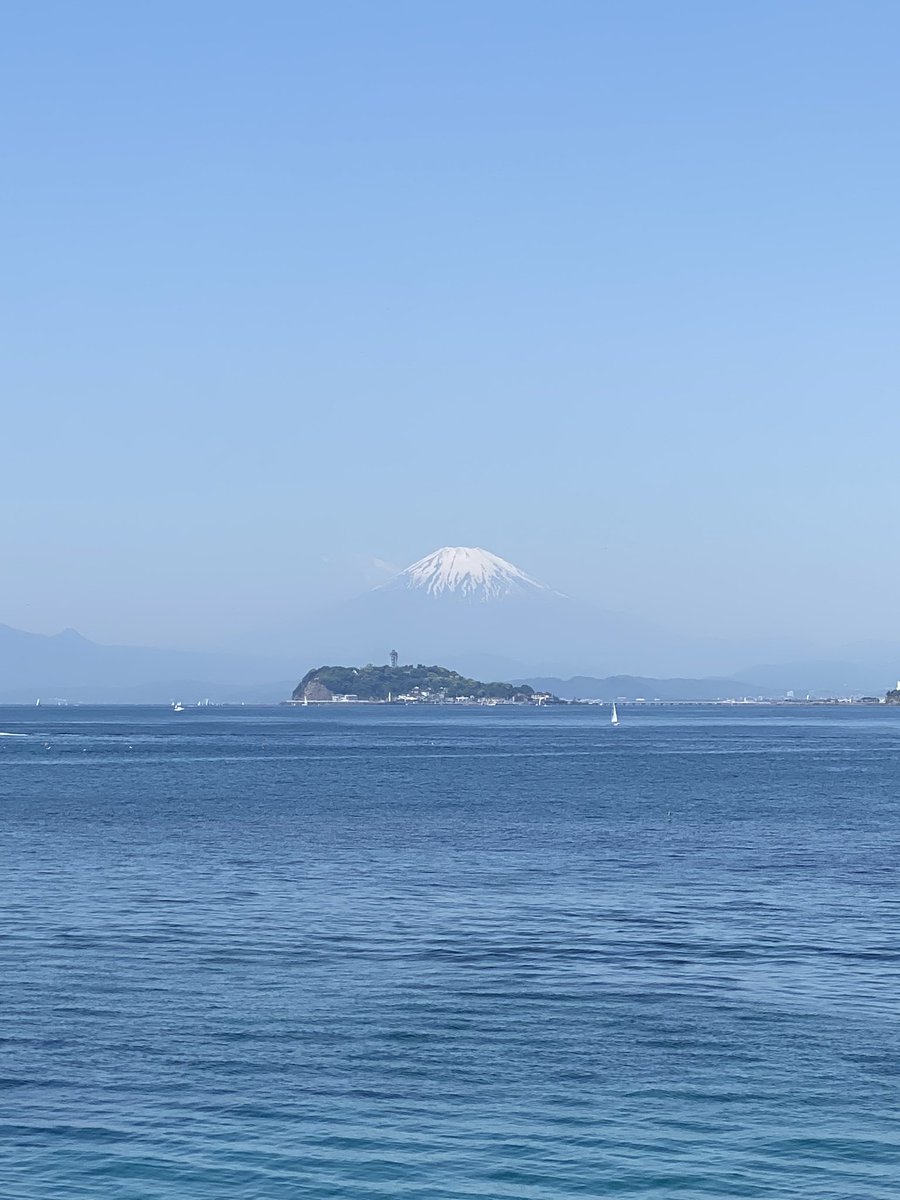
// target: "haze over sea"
[[446, 953]]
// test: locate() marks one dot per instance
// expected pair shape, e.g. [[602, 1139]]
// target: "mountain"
[[826, 678], [461, 605], [465, 571], [69, 666], [484, 616]]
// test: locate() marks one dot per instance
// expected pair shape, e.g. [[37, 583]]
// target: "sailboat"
[[305, 700], [614, 719]]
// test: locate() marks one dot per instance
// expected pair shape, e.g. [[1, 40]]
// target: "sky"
[[293, 289]]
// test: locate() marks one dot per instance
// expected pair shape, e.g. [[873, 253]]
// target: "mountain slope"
[[486, 617]]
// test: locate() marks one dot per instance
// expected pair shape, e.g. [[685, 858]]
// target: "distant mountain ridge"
[[69, 666]]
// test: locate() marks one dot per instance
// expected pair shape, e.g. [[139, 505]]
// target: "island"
[[407, 685]]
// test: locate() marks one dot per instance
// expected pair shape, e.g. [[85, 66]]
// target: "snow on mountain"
[[466, 571]]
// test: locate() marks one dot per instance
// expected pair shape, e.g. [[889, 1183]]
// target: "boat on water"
[[614, 719], [177, 706]]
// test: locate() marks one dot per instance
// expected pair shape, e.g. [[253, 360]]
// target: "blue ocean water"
[[449, 953]]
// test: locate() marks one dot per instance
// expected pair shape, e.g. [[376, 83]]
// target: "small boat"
[[37, 703], [177, 706], [305, 700], [614, 719]]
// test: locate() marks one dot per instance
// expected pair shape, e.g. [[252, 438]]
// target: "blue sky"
[[608, 288]]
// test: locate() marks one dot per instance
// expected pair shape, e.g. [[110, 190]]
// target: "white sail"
[[614, 719]]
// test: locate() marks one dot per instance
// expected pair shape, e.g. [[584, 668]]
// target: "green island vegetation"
[[418, 682]]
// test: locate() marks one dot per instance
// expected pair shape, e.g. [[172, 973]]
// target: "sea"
[[450, 953]]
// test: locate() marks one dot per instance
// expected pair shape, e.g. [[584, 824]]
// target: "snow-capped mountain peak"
[[466, 571]]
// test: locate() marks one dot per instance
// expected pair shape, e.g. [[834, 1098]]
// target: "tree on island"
[[379, 682]]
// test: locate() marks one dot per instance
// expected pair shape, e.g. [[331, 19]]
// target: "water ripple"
[[271, 954]]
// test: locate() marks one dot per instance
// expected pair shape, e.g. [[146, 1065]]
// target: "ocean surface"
[[441, 954]]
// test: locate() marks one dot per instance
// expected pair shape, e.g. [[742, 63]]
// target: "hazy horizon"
[[468, 625], [608, 290], [352, 579]]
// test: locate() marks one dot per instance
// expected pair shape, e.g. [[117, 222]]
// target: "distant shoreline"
[[337, 705]]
